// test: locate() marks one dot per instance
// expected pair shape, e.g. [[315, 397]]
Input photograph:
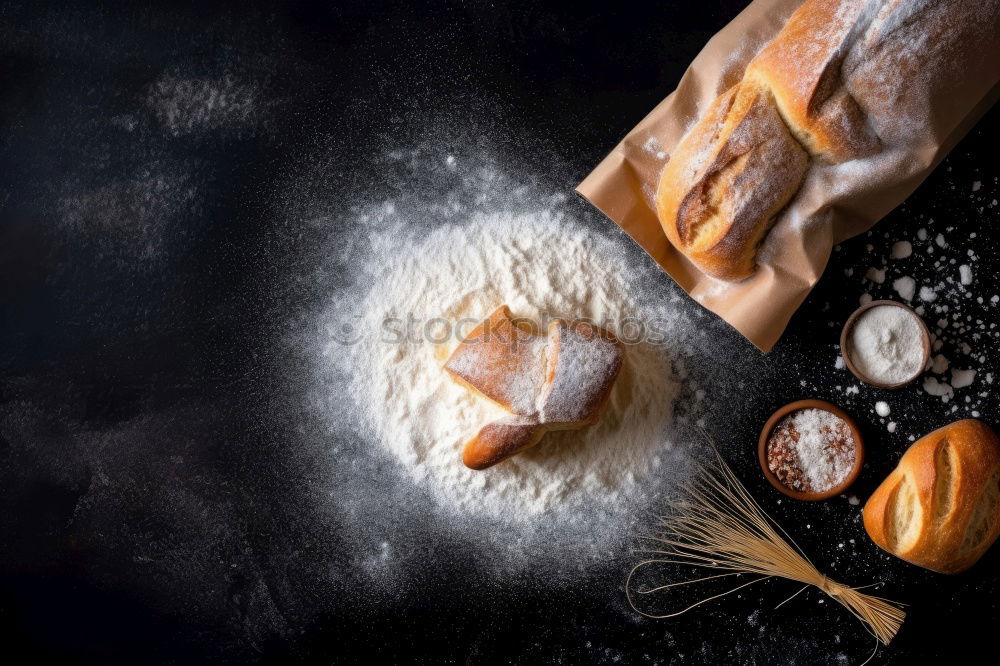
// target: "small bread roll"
[[940, 507]]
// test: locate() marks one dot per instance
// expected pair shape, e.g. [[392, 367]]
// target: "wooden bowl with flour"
[[885, 344]]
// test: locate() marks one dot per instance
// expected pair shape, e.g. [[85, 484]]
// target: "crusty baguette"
[[843, 80], [747, 142], [940, 507]]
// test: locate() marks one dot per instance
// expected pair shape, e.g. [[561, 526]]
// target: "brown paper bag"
[[834, 203]]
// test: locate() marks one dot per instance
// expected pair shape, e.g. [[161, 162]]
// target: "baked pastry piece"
[[582, 362], [559, 381], [842, 80], [503, 359], [743, 146], [940, 507], [502, 439]]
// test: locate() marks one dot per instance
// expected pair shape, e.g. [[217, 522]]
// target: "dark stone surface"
[[161, 474]]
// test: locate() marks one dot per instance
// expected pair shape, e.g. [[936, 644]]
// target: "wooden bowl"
[[859, 452], [845, 352]]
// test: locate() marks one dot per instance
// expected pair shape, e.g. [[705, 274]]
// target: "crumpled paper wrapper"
[[834, 203]]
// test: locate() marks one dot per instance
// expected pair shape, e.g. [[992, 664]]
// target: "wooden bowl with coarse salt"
[[885, 344], [849, 435]]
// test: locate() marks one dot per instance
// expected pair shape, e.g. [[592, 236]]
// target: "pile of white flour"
[[428, 289]]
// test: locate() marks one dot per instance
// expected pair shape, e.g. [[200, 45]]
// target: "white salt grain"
[[905, 287], [962, 378], [901, 250], [875, 275], [933, 387], [882, 408], [821, 461], [965, 274]]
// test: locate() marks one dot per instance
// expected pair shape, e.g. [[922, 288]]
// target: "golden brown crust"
[[940, 507], [562, 381], [582, 365], [730, 176], [802, 69], [826, 90], [501, 358], [497, 441]]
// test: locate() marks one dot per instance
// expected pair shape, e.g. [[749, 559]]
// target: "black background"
[[155, 496]]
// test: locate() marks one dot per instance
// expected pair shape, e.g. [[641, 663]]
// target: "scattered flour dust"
[[440, 285], [132, 219], [187, 105]]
